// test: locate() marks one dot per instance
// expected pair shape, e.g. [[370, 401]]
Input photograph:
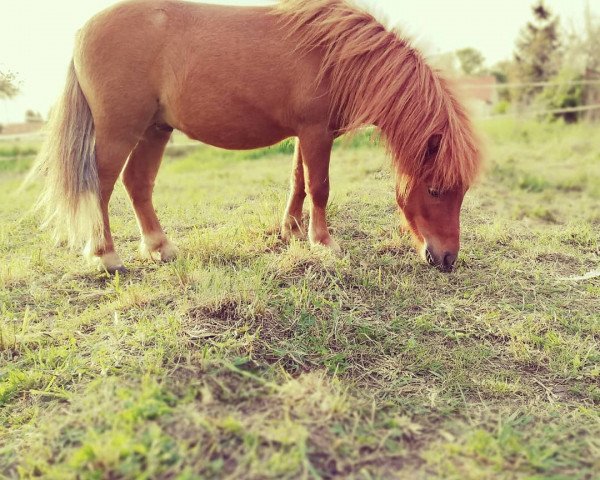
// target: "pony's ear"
[[433, 146]]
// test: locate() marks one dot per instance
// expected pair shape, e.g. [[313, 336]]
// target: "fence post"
[[591, 94]]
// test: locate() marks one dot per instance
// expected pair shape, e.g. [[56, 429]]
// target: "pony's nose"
[[449, 261]]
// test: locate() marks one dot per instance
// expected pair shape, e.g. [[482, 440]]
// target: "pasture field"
[[248, 358]]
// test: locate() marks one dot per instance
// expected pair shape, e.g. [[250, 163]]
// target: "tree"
[[33, 117], [578, 80], [538, 53], [8, 85], [471, 61], [504, 72]]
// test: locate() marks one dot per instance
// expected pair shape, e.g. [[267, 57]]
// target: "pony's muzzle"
[[449, 261], [445, 263]]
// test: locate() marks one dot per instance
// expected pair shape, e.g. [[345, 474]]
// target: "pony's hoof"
[[329, 244], [335, 247], [168, 252], [121, 270], [165, 252], [288, 233], [110, 263]]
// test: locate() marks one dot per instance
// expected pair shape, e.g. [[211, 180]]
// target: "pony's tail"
[[67, 162]]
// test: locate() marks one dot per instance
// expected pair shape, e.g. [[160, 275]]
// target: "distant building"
[[15, 129]]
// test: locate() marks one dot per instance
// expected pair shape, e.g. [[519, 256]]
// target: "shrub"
[[563, 93]]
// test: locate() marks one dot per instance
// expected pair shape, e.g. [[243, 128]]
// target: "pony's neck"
[[376, 82], [377, 78], [393, 88]]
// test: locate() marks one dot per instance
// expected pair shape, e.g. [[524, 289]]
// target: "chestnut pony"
[[244, 78]]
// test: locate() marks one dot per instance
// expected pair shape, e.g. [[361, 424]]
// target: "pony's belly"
[[224, 133], [239, 145]]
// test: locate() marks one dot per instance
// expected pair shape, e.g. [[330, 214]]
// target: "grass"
[[247, 358]]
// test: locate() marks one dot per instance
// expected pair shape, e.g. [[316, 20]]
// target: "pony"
[[246, 78]]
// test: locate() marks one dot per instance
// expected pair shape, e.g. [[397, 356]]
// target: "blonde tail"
[[67, 163]]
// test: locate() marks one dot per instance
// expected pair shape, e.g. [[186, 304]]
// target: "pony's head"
[[430, 200], [432, 214], [433, 218], [436, 154]]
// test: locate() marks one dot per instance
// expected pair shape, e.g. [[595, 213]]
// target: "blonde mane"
[[378, 78]]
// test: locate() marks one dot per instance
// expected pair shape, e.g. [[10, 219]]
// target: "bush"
[[565, 94], [501, 107]]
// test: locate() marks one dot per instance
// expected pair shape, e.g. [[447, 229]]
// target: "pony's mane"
[[378, 78]]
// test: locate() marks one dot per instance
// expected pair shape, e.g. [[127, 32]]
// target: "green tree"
[[8, 85], [33, 117], [578, 80], [471, 61], [503, 71], [538, 52]]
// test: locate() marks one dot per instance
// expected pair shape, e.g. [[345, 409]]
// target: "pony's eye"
[[434, 193]]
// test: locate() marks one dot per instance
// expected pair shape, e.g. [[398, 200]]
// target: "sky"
[[36, 36]]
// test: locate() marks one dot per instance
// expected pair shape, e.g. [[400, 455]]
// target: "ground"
[[248, 358]]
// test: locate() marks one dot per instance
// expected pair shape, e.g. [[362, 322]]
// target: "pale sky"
[[36, 36]]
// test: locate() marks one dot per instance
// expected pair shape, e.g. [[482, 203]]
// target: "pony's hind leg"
[[291, 225], [111, 155], [138, 177]]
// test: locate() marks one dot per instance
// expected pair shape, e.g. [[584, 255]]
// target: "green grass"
[[248, 358]]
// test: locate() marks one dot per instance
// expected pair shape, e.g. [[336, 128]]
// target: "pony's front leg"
[[138, 177], [315, 146], [291, 225]]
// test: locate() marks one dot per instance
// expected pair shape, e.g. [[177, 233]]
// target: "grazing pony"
[[245, 78]]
